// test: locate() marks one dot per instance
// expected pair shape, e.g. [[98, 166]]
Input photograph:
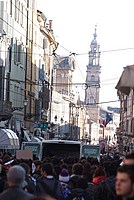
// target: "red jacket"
[[98, 179]]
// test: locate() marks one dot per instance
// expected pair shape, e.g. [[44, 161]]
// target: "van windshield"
[[35, 147], [61, 150]]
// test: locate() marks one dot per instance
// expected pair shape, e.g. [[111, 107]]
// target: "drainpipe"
[[25, 97]]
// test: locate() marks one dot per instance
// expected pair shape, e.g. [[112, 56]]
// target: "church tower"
[[93, 80]]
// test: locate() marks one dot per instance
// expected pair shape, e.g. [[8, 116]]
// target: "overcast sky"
[[73, 25]]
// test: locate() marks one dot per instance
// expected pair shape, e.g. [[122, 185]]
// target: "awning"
[[126, 81], [8, 139]]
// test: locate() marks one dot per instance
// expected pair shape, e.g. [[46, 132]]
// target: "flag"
[[102, 122], [108, 118]]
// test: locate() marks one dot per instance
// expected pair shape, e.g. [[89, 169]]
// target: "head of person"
[[26, 167], [87, 168], [111, 168], [64, 176], [129, 159], [99, 171], [125, 181], [47, 169], [37, 164], [16, 176], [77, 169]]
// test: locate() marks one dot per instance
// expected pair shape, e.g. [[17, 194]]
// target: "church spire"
[[94, 41]]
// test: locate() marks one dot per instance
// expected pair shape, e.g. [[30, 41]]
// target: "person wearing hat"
[[16, 181], [64, 178]]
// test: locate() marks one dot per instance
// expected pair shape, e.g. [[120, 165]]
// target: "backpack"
[[65, 193], [106, 190], [65, 190], [42, 187], [80, 194]]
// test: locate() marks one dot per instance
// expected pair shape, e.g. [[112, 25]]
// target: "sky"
[[74, 24]]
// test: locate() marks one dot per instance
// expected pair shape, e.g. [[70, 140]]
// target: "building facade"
[[26, 61], [125, 131]]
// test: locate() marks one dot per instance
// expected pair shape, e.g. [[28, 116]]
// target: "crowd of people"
[[68, 178]]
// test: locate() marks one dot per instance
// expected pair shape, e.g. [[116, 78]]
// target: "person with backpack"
[[106, 189], [64, 179], [48, 185], [88, 176], [98, 175], [80, 192], [77, 172]]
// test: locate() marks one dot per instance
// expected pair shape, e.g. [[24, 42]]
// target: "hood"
[[77, 191], [98, 179]]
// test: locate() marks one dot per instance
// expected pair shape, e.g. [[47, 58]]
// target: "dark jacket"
[[73, 180], [106, 190], [91, 190], [2, 183], [15, 193], [31, 186], [49, 186], [78, 193], [37, 175]]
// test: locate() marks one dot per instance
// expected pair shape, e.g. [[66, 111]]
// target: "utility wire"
[[55, 84], [103, 51]]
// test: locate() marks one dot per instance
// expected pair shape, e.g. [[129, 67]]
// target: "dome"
[[94, 42]]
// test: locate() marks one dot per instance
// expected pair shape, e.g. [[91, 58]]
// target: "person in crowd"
[[125, 182], [48, 184], [37, 169], [80, 191], [98, 175], [64, 179], [31, 182], [15, 179], [129, 159], [77, 172], [106, 189], [88, 176], [87, 171], [3, 178]]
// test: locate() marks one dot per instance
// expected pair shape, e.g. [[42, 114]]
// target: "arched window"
[[94, 61], [92, 78]]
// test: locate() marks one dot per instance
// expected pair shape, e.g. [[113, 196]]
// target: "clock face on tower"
[[84, 86], [94, 48]]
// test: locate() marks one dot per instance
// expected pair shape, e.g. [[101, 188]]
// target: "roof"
[[8, 139], [126, 81]]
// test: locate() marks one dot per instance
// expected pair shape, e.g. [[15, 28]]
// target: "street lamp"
[[25, 102]]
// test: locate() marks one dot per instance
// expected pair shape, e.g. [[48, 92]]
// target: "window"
[[18, 17], [21, 15], [15, 51], [94, 61], [11, 3], [93, 78], [15, 10]]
